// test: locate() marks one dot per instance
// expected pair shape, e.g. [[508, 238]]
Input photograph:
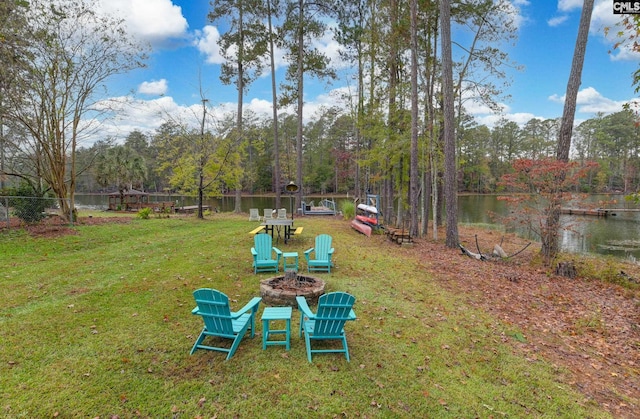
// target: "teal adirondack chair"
[[334, 310], [322, 252], [220, 321], [262, 252]]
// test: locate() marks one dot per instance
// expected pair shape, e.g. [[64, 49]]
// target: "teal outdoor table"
[[276, 314]]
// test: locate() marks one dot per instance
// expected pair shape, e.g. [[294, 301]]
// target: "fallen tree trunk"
[[469, 253], [498, 252]]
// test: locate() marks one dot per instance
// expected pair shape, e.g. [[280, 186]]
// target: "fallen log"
[[478, 256], [498, 252]]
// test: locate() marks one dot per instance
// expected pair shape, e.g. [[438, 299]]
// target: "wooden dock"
[[190, 209], [597, 212]]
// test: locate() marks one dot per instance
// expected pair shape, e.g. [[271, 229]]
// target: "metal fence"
[[17, 211]]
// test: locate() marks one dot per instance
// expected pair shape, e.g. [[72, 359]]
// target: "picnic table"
[[282, 227]]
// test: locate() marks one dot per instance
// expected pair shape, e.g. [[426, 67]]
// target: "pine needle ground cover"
[[98, 323]]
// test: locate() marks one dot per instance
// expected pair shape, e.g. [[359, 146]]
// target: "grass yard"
[[98, 324]]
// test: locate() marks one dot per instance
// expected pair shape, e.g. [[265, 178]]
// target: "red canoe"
[[362, 228], [367, 220]]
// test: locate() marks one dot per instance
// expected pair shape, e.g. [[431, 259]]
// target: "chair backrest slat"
[[263, 245], [323, 245], [333, 311], [213, 306]]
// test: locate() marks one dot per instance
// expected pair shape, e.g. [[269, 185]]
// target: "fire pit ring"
[[283, 290]]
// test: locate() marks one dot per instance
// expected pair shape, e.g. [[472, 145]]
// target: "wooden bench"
[[298, 230], [256, 230]]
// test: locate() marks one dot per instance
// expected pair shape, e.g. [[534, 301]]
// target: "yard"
[[95, 322]]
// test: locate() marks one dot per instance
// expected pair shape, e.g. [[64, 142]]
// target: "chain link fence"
[[17, 211]]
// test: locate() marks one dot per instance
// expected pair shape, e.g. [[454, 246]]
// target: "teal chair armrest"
[[352, 315], [195, 310], [254, 252], [305, 311], [251, 305], [304, 307], [307, 253], [331, 251], [278, 251]]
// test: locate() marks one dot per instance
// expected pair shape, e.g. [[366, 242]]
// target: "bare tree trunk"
[[575, 79], [239, 123], [434, 191], [200, 162], [450, 183], [300, 77], [426, 199], [274, 96], [550, 245], [414, 178]]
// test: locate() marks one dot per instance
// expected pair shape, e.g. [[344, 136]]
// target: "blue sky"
[[184, 59]]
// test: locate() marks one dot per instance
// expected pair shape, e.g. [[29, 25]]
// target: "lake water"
[[615, 235]]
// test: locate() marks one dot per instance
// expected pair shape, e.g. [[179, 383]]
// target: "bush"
[[27, 205], [348, 210], [144, 213]]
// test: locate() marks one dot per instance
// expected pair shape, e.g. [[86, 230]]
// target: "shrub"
[[28, 205], [540, 188], [144, 213], [348, 210]]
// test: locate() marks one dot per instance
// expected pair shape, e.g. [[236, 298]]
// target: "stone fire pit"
[[283, 290]]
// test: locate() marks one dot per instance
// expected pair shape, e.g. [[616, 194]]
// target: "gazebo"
[[131, 199]]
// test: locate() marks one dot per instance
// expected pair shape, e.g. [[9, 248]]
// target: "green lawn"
[[100, 324]]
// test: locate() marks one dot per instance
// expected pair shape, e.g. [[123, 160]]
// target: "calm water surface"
[[615, 235]]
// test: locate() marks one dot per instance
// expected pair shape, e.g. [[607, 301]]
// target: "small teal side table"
[[274, 314], [291, 264]]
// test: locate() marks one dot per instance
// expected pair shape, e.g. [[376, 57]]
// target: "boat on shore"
[[325, 207], [370, 209], [361, 227], [367, 220]]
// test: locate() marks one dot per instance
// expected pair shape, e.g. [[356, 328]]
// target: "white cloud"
[[514, 10], [279, 61], [601, 17], [568, 5], [154, 87], [607, 25], [328, 46], [131, 114], [589, 100], [153, 21], [475, 107], [207, 43], [625, 53], [557, 20], [520, 118], [484, 115], [260, 107], [148, 115]]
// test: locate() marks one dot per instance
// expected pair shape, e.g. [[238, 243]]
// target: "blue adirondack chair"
[[220, 321], [334, 309], [262, 252], [322, 253]]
